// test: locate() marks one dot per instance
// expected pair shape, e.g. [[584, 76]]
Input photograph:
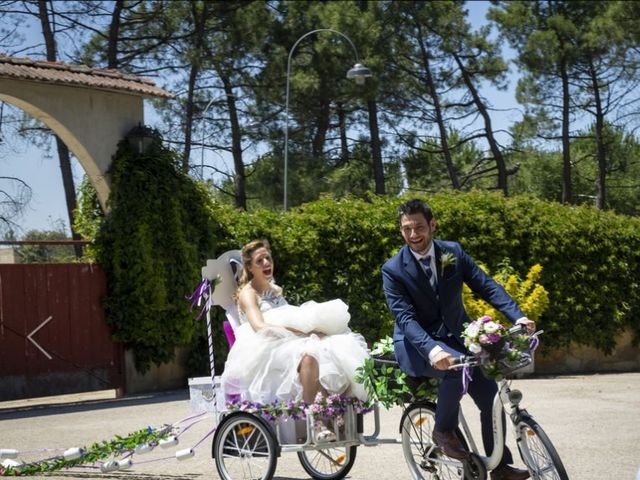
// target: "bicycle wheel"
[[424, 459], [244, 448], [329, 463], [537, 451]]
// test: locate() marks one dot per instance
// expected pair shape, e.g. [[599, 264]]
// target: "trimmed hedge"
[[328, 249], [162, 227]]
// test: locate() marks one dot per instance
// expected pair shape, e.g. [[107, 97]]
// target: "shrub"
[[157, 237], [532, 297], [151, 246], [328, 249]]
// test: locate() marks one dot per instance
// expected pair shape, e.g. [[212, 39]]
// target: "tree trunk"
[[444, 142], [567, 193], [322, 123], [600, 150], [236, 142], [199, 19], [376, 150], [342, 125], [63, 151], [114, 32], [482, 110]]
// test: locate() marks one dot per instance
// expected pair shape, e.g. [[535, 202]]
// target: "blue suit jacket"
[[423, 317]]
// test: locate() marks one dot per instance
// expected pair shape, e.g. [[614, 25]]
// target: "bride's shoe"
[[324, 435]]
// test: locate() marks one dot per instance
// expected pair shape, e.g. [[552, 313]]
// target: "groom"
[[423, 286]]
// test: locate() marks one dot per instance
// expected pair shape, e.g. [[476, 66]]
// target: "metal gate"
[[53, 335]]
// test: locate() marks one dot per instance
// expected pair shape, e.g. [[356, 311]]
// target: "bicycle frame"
[[503, 398]]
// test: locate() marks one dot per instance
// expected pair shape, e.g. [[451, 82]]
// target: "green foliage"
[[151, 246], [384, 382], [46, 253], [88, 215], [335, 249], [588, 259]]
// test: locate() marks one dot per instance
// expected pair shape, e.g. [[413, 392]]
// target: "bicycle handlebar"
[[475, 360]]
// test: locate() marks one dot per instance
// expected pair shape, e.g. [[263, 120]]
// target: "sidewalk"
[[593, 420]]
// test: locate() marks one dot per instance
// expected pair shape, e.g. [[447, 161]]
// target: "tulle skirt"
[[263, 366]]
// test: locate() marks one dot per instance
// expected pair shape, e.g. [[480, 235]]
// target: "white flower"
[[491, 327], [475, 348], [472, 330]]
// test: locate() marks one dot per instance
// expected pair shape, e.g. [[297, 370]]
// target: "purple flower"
[[485, 319], [494, 337]]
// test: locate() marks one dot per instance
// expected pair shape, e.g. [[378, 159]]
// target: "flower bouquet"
[[498, 352]]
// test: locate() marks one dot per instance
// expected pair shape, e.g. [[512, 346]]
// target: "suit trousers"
[[482, 390]]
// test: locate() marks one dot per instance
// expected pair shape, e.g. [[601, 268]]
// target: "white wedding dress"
[[263, 366]]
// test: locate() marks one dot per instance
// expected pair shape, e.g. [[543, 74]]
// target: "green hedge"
[[330, 248], [157, 237]]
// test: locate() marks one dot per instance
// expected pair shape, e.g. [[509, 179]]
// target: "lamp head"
[[141, 137], [359, 73]]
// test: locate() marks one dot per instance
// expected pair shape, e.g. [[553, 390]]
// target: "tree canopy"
[[422, 122]]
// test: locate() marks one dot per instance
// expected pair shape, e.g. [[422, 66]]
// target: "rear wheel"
[[244, 448], [425, 460], [538, 453], [329, 463]]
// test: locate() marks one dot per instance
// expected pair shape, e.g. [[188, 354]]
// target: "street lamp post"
[[358, 73]]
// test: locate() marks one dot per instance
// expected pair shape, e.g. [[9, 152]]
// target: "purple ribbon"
[[197, 295], [466, 378], [533, 343]]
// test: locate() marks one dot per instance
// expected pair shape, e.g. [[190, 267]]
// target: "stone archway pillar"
[[89, 121]]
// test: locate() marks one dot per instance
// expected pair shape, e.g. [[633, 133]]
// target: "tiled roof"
[[65, 74]]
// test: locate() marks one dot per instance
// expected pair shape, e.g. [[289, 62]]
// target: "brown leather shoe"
[[450, 445], [507, 472]]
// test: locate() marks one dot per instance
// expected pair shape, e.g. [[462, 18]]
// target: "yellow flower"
[[530, 295]]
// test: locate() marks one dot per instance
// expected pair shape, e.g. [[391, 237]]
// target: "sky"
[[47, 208]]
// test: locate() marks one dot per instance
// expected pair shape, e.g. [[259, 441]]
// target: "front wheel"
[[424, 459], [538, 453], [245, 448], [329, 463]]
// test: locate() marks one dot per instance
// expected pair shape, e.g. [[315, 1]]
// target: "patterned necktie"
[[426, 263]]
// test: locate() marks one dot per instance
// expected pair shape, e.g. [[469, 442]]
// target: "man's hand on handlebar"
[[530, 325], [443, 360]]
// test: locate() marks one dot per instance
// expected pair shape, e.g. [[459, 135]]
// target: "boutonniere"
[[446, 259]]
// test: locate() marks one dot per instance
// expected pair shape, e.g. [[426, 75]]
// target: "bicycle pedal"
[[433, 452]]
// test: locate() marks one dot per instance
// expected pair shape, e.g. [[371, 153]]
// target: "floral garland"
[[98, 451], [323, 408]]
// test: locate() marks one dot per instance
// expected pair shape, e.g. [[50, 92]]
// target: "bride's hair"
[[245, 254]]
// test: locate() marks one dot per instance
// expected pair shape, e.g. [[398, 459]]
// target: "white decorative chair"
[[224, 274]]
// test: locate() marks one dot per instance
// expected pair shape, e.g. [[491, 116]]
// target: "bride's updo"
[[246, 254]]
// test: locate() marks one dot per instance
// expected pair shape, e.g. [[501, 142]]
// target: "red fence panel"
[[53, 335]]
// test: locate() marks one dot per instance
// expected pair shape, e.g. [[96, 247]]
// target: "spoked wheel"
[[329, 463], [538, 453], [424, 459], [244, 448]]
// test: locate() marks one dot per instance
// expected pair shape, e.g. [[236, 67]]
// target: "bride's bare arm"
[[248, 303]]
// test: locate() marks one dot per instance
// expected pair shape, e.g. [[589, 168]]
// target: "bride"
[[286, 352]]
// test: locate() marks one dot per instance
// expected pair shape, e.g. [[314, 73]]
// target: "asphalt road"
[[593, 420]]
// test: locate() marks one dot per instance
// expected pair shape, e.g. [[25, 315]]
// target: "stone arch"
[[90, 110]]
